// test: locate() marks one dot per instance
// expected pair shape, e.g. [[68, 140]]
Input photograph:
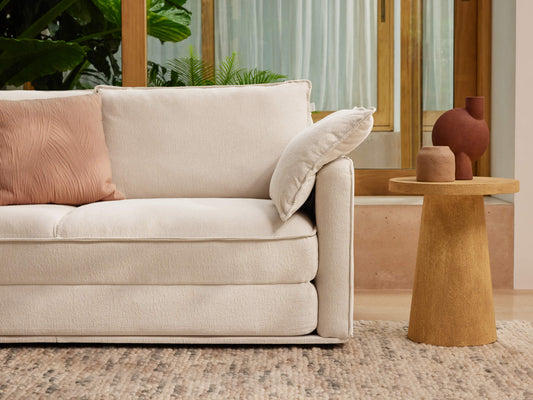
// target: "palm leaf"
[[23, 60], [158, 75], [227, 70], [255, 76], [192, 71]]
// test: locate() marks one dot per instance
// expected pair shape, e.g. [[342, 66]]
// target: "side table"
[[452, 302]]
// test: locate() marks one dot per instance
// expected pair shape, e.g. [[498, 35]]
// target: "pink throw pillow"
[[54, 151]]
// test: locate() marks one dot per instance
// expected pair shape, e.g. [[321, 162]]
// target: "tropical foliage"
[[192, 71], [59, 44]]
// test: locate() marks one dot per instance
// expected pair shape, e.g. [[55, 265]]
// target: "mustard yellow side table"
[[452, 302]]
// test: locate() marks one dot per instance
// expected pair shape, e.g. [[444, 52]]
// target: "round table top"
[[480, 185]]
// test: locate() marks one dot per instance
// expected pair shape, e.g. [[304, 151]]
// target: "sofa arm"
[[334, 210]]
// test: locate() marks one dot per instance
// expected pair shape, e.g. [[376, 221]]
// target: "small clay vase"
[[435, 164], [466, 133]]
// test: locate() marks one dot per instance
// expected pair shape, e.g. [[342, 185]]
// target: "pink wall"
[[524, 146]]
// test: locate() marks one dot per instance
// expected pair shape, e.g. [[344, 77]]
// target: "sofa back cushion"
[[201, 141]]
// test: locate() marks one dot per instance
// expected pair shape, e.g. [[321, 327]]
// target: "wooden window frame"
[[472, 75], [472, 72], [134, 40], [208, 31], [411, 81], [384, 115]]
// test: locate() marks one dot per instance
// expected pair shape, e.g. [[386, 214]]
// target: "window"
[[344, 47], [223, 23], [437, 63], [333, 43]]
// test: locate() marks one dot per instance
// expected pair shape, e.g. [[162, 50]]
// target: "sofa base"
[[158, 310], [201, 340]]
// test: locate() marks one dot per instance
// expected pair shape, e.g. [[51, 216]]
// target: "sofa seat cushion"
[[31, 221], [156, 241], [182, 219]]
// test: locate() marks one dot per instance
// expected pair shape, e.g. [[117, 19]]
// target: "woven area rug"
[[379, 362]]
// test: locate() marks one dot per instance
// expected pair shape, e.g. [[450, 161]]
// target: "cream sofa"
[[197, 253]]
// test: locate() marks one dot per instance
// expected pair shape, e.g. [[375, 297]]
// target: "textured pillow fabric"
[[334, 136], [40, 94], [203, 141], [54, 151]]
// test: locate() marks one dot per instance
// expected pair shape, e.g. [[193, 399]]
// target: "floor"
[[393, 305]]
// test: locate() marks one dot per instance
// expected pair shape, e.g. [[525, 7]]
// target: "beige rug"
[[379, 362]]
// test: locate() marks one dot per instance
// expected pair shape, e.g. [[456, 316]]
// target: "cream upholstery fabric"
[[154, 219], [37, 221], [223, 340], [156, 241], [158, 262], [246, 310], [334, 219], [330, 138], [178, 269], [182, 219], [203, 141]]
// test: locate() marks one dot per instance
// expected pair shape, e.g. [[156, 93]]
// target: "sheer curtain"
[[333, 43], [437, 93]]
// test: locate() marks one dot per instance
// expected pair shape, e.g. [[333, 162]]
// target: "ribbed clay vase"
[[466, 133], [435, 164]]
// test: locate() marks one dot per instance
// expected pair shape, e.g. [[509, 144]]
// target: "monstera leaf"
[[166, 20], [111, 10], [23, 60], [168, 24]]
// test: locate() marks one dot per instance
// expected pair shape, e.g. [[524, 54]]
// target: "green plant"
[[192, 71], [56, 43]]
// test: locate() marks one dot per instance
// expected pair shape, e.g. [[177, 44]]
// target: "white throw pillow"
[[330, 138]]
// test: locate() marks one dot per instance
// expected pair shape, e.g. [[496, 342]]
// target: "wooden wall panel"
[[134, 57], [484, 72], [465, 49], [411, 81], [208, 31], [473, 43], [384, 116]]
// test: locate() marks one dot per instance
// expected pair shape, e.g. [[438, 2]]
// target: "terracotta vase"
[[435, 164], [466, 133]]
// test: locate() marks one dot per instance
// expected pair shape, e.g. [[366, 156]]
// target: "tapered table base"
[[452, 302]]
